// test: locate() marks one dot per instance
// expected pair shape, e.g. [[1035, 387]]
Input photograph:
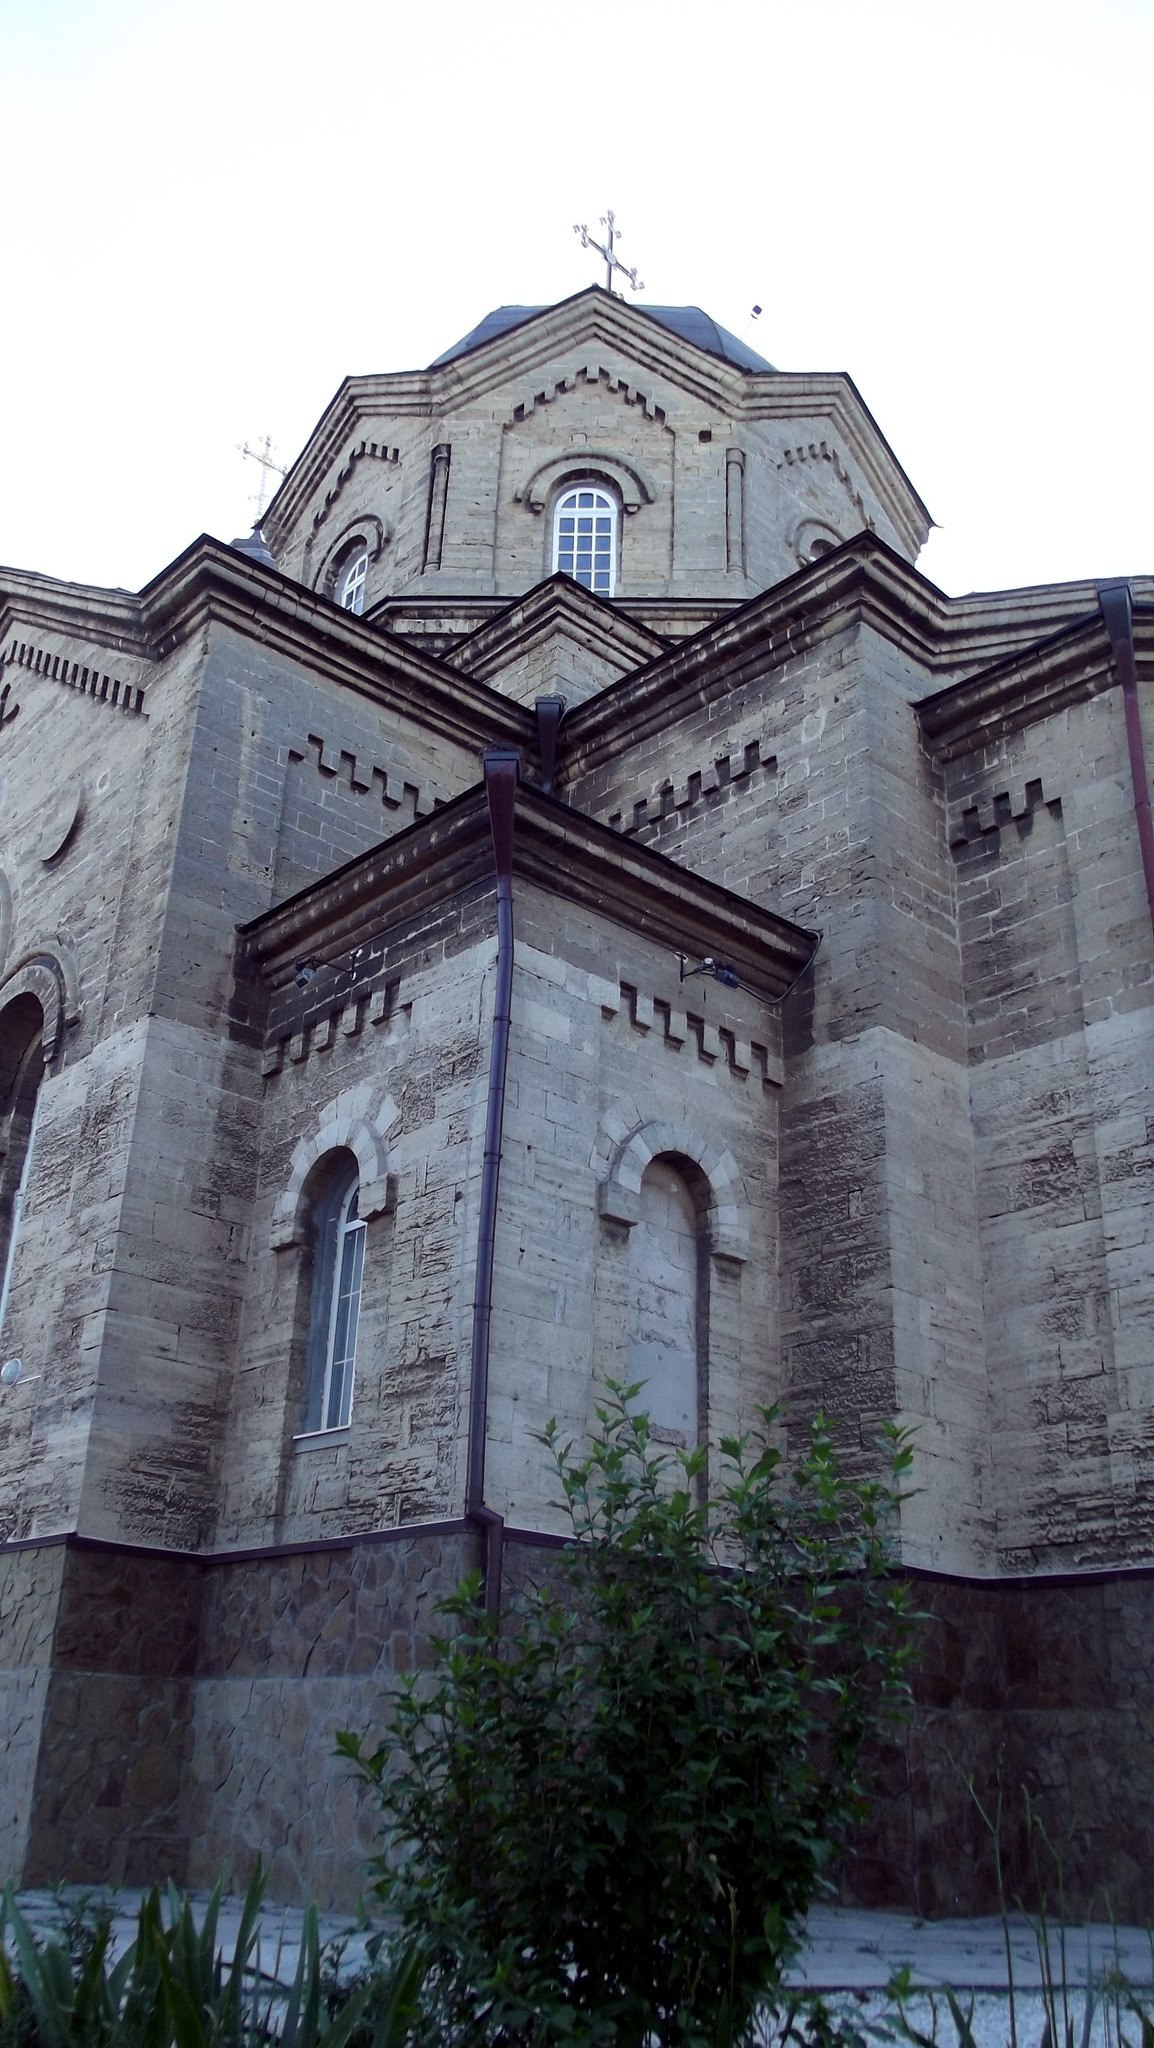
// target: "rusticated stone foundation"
[[1035, 1690], [176, 1717]]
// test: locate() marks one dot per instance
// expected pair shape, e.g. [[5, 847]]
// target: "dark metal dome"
[[690, 322]]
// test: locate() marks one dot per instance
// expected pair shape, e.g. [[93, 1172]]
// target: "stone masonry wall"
[[725, 506], [294, 1649], [1059, 960], [609, 1050], [807, 789]]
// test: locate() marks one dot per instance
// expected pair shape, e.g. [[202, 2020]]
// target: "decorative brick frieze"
[[590, 373], [78, 676], [678, 800], [968, 821], [820, 451], [713, 1043], [366, 448], [364, 777], [326, 1032]]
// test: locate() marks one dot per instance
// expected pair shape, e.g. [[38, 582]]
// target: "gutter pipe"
[[1116, 605], [502, 765]]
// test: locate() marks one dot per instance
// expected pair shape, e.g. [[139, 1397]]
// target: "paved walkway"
[[850, 1954]]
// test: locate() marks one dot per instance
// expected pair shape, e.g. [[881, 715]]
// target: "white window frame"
[[350, 588], [595, 566], [337, 1282]]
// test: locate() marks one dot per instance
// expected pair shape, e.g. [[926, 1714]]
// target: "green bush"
[[608, 1810]]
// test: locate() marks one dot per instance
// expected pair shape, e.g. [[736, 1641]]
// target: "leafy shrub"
[[610, 1808]]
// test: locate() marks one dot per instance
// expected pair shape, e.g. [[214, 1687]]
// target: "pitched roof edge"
[[554, 847], [211, 580], [1066, 667], [556, 597], [110, 617]]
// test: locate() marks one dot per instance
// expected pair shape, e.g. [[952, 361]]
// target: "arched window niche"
[[668, 1342], [21, 1073], [668, 1289], [349, 567], [335, 1235], [586, 534]]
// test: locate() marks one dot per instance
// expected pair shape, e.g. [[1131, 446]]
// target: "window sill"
[[321, 1439]]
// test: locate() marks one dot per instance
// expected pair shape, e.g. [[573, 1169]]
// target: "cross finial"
[[267, 467], [605, 249]]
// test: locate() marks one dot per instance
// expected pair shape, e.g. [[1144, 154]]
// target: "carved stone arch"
[[49, 974], [5, 918], [619, 1195], [812, 538], [375, 533], [634, 485], [344, 1125]]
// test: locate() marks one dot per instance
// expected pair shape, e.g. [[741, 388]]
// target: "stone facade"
[[828, 1080]]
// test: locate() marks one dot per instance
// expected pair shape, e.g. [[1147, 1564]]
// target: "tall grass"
[[173, 1987]]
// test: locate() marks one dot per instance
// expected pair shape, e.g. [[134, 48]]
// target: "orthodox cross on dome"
[[267, 466], [605, 249]]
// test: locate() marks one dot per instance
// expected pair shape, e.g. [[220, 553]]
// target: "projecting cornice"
[[861, 583], [110, 619], [560, 605], [1066, 668], [409, 877], [212, 583]]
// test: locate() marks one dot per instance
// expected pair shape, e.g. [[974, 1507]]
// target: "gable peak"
[[688, 323]]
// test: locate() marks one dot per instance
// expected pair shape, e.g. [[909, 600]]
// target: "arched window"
[[585, 537], [338, 1253], [349, 589], [668, 1300], [21, 1072]]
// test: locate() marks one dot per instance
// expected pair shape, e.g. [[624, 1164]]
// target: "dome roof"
[[690, 322]]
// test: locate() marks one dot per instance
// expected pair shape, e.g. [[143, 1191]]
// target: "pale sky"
[[213, 212]]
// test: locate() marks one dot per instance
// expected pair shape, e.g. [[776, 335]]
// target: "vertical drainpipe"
[[501, 771], [1118, 614]]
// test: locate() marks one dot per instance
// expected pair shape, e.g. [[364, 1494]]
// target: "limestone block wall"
[[804, 785], [613, 1061], [92, 793], [258, 802], [399, 1063], [727, 482], [1058, 957]]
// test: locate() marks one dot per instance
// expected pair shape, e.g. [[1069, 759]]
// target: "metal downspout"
[[501, 771], [1118, 614]]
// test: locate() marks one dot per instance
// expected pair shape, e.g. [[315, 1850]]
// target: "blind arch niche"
[[668, 1288]]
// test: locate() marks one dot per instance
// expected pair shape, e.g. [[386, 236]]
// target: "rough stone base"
[[1033, 1699], [176, 1717]]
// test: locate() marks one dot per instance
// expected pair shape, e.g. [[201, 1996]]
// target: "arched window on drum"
[[586, 522]]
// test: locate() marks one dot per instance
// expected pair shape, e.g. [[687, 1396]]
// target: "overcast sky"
[[212, 212]]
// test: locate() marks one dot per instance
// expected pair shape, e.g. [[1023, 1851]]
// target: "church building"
[[566, 899]]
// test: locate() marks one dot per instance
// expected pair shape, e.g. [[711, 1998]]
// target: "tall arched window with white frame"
[[585, 528], [350, 586], [21, 1073], [338, 1244]]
